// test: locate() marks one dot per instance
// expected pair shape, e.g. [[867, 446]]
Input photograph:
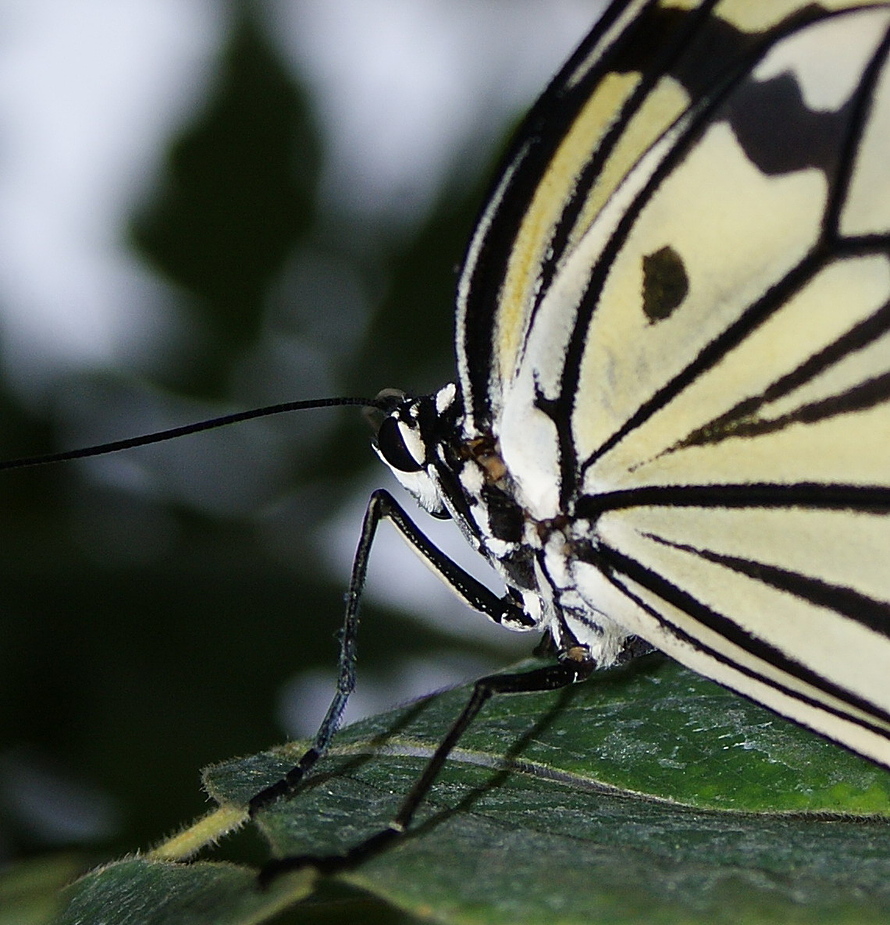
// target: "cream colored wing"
[[703, 388]]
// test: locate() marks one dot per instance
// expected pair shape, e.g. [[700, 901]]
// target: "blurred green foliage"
[[149, 613], [238, 198]]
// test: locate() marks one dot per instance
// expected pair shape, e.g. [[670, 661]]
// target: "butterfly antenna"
[[186, 429]]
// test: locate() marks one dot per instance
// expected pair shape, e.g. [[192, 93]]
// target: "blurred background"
[[207, 206]]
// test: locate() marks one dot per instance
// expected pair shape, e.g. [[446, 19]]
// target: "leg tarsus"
[[284, 785]]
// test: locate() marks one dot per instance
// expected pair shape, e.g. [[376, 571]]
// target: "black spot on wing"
[[665, 283], [778, 132]]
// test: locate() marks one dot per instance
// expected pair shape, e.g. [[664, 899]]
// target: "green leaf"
[[652, 728], [550, 838], [646, 794], [144, 892]]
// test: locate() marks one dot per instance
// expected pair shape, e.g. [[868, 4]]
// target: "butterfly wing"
[[688, 351]]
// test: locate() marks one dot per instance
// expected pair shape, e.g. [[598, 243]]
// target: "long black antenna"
[[187, 429]]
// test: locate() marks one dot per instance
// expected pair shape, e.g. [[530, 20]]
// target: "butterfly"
[[670, 426]]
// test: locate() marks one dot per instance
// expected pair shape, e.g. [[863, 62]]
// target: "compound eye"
[[392, 447]]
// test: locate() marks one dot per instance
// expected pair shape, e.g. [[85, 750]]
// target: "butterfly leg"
[[551, 677], [382, 506]]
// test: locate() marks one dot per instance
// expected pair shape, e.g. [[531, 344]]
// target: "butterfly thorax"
[[462, 476]]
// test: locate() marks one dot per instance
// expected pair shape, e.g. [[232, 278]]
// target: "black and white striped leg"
[[551, 677], [382, 506]]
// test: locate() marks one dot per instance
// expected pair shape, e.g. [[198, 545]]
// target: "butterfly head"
[[453, 475], [405, 439]]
